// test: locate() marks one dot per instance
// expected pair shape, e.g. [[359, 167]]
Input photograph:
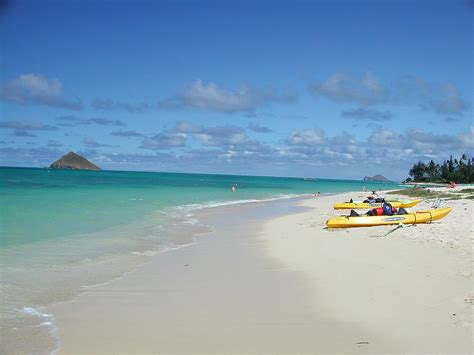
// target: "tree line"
[[452, 170]]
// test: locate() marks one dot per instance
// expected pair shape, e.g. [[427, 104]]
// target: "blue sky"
[[338, 89]]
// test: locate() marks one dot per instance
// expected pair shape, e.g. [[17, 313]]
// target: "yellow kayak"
[[368, 221], [355, 205]]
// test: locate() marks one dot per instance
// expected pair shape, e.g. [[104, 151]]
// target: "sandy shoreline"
[[413, 286], [271, 279]]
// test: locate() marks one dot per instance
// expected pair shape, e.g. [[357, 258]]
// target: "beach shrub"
[[424, 193]]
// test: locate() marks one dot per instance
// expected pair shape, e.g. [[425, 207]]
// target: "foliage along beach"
[[452, 170]]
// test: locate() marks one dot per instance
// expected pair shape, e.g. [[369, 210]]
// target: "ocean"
[[62, 231]]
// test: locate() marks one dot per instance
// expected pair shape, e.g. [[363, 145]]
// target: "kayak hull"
[[368, 221], [366, 205]]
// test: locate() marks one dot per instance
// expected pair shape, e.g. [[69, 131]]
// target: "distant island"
[[73, 161], [377, 177]]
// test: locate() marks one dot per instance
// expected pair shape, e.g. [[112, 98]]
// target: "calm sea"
[[62, 231]]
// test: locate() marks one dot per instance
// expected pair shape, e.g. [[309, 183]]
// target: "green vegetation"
[[454, 197], [460, 171], [418, 192], [430, 194]]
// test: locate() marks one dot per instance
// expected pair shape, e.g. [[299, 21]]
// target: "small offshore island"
[[73, 161], [377, 177]]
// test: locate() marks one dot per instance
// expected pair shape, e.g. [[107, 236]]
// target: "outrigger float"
[[417, 217]]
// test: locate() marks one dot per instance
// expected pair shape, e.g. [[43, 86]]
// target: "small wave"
[[161, 250], [49, 322], [145, 253], [33, 312], [211, 204], [148, 237], [191, 221]]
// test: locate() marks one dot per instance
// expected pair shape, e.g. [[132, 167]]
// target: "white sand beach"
[[270, 278], [412, 287]]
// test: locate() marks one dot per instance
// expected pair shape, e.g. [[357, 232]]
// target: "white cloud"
[[307, 137], [345, 87], [54, 143], [228, 136], [449, 101], [23, 128], [111, 105], [258, 128], [92, 143], [367, 114], [72, 121], [467, 139], [29, 89], [211, 97], [386, 138], [214, 136], [29, 126], [368, 90], [164, 141], [127, 134]]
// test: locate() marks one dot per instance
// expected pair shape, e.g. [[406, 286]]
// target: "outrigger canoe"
[[355, 205], [368, 221]]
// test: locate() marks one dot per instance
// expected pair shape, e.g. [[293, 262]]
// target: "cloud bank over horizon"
[[191, 148]]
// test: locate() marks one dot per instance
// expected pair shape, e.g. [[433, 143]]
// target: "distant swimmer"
[[232, 188]]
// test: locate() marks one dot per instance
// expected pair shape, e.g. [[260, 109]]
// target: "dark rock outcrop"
[[377, 177], [73, 161]]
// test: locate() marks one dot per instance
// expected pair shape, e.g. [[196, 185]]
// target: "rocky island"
[[73, 161], [377, 177]]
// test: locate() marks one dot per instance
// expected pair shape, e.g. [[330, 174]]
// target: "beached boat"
[[359, 204], [367, 221]]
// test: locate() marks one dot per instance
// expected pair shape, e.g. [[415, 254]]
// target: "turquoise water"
[[61, 231], [39, 204]]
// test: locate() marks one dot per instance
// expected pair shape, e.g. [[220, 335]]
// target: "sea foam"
[[49, 322]]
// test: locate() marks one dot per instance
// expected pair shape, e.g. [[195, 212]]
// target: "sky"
[[328, 89]]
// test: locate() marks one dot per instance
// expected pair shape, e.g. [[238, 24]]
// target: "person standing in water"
[[232, 188]]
